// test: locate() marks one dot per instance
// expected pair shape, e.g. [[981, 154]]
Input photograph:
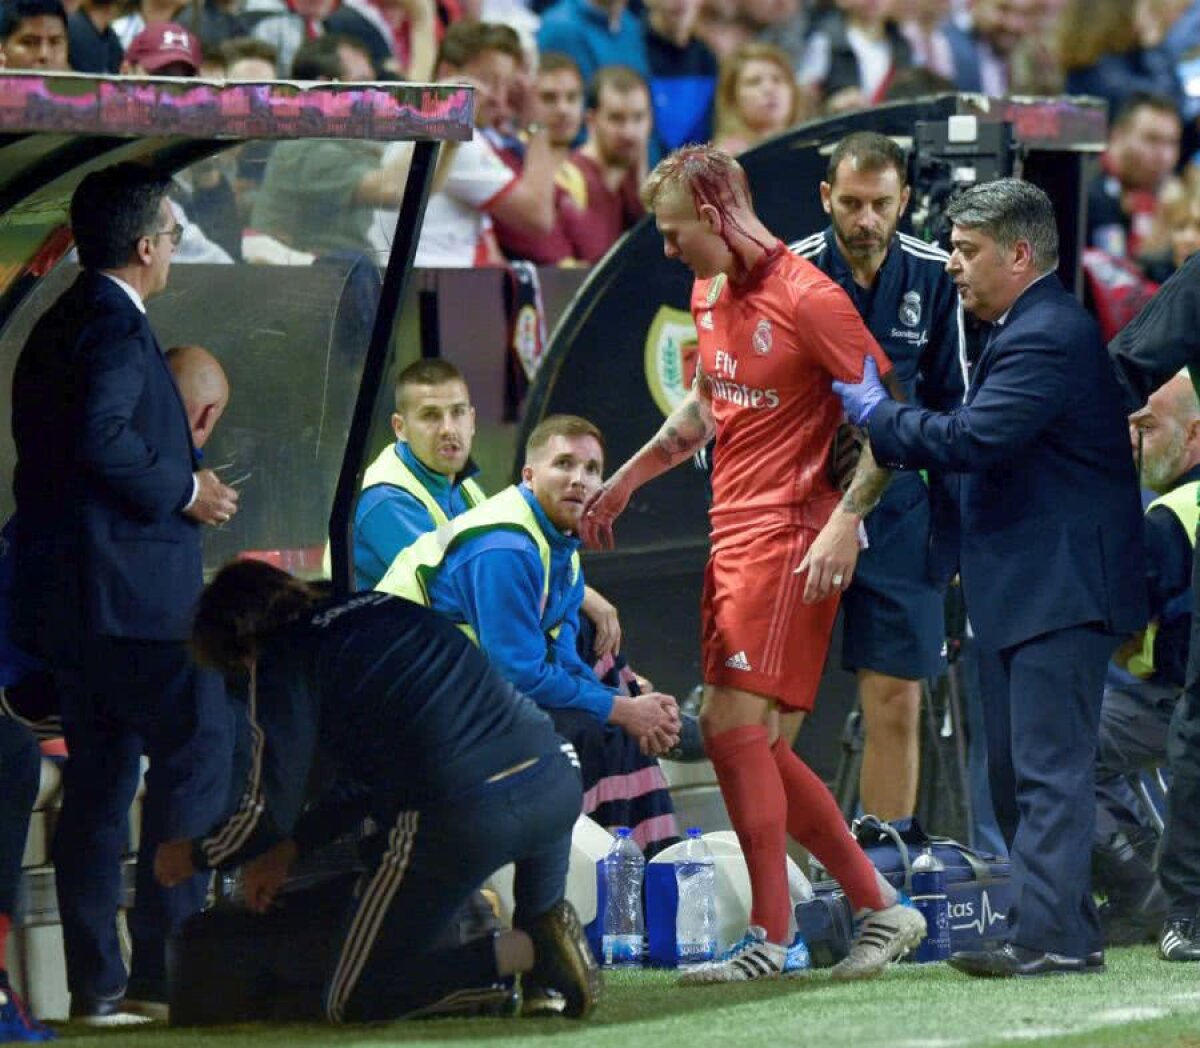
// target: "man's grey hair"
[[1008, 210]]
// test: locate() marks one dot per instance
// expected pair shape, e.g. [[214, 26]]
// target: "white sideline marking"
[[1135, 1013]]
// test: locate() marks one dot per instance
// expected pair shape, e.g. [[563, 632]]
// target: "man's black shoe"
[[1011, 960], [1180, 939], [1094, 961], [563, 960]]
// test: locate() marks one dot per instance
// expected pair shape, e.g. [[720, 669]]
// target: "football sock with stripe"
[[815, 821]]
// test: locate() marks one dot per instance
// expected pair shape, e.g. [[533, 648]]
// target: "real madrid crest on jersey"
[[715, 289], [910, 309], [761, 339]]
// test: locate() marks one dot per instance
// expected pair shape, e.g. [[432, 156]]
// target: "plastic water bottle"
[[624, 939], [696, 917], [929, 896]]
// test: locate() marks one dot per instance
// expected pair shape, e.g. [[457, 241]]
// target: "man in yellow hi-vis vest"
[[1145, 680], [507, 572], [427, 478]]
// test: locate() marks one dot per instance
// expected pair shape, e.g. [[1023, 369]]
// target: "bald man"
[[203, 387], [1145, 680]]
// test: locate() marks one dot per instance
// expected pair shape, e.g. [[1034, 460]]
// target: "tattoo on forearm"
[[867, 488], [685, 431]]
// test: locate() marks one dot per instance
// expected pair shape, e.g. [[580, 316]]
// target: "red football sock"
[[757, 808], [815, 821]]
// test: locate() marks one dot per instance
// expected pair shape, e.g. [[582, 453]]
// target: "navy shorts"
[[894, 616]]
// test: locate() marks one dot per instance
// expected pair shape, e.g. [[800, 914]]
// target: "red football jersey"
[[770, 347]]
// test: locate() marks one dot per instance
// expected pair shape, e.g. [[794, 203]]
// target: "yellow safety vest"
[[412, 573], [1182, 502], [389, 468]]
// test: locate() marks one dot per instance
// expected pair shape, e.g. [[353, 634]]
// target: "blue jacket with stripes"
[[399, 702]]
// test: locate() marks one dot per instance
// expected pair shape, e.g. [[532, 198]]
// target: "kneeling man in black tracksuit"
[[461, 774]]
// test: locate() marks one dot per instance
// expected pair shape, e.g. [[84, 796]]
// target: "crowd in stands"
[[577, 99]]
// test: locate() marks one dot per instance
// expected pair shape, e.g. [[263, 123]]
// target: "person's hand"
[[173, 863], [215, 503], [262, 877], [603, 616], [600, 511], [861, 398], [831, 559], [652, 719]]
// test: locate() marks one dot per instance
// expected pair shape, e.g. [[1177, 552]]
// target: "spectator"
[[217, 21], [602, 177], [853, 52], [248, 58], [321, 197], [983, 38], [1103, 53], [757, 97], [286, 24], [596, 188], [784, 23], [400, 36], [557, 106], [726, 25], [923, 23], [1177, 236], [94, 47], [1143, 149], [477, 184], [683, 76], [33, 35], [166, 49], [110, 504], [1145, 680], [595, 33], [507, 572], [461, 773], [558, 100]]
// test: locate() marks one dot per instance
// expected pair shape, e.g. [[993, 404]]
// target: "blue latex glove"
[[861, 398]]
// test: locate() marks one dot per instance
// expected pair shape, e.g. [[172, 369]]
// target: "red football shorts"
[[757, 634]]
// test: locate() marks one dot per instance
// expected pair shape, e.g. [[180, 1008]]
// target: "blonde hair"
[[1090, 29], [729, 123], [696, 173]]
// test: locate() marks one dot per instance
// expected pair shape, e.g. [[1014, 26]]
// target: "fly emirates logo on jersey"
[[726, 386]]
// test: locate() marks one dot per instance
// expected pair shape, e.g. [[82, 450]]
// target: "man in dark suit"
[[1052, 555], [109, 508]]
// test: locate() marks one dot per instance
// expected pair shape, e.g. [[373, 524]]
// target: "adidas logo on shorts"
[[738, 661]]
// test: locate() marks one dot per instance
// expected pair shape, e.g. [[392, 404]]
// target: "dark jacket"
[[1052, 533], [104, 470]]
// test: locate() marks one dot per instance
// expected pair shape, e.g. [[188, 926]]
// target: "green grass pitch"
[[1138, 1002]]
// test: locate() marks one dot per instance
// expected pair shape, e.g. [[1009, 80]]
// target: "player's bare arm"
[[833, 556], [687, 429], [867, 487]]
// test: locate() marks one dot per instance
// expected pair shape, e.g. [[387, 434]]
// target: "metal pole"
[[395, 280]]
